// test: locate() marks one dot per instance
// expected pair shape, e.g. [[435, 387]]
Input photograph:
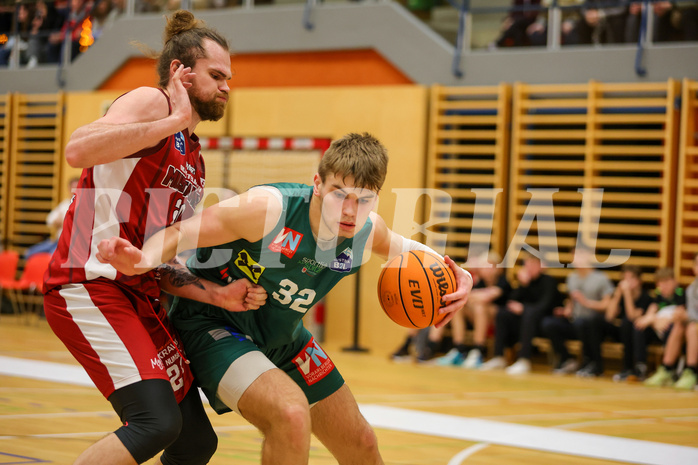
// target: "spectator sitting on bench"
[[630, 302], [519, 320], [582, 317], [667, 315], [489, 293]]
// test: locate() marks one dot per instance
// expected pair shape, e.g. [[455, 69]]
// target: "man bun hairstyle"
[[184, 41]]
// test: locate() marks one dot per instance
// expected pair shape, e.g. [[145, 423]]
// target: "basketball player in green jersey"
[[297, 242]]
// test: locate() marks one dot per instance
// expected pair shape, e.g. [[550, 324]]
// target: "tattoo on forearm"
[[179, 277]]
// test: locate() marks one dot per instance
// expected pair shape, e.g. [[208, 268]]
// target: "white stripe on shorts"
[[100, 335]]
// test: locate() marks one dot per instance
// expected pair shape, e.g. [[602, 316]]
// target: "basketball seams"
[[448, 272], [431, 291], [381, 278], [399, 289], [392, 281]]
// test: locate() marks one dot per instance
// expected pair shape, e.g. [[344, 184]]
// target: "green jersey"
[[287, 263]]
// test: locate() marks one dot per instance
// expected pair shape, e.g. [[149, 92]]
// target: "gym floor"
[[423, 415]]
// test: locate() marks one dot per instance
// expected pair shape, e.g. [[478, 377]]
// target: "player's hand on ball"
[[411, 288], [122, 255], [458, 299]]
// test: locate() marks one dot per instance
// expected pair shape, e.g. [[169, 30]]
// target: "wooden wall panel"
[[616, 142], [5, 110], [687, 198], [35, 167], [468, 163]]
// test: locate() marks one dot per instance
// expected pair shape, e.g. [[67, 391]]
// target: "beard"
[[208, 110]]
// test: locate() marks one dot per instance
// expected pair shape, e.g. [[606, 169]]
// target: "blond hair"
[[664, 273], [360, 156]]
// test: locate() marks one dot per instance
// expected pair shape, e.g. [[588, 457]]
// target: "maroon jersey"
[[132, 198]]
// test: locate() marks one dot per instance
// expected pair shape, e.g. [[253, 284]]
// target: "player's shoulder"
[[265, 192], [377, 221], [266, 200], [142, 104], [144, 93]]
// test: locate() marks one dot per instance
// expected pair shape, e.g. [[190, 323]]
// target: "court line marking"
[[441, 425], [461, 456], [565, 415], [29, 460], [530, 437], [44, 371]]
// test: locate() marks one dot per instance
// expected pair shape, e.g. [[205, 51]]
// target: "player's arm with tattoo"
[[238, 296]]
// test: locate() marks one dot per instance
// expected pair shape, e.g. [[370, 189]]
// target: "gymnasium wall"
[[299, 69]]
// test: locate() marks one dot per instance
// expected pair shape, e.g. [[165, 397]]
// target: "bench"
[[609, 350]]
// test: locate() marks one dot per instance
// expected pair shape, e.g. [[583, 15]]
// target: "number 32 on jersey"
[[288, 293]]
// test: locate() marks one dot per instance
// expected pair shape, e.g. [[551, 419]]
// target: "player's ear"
[[316, 184], [174, 64]]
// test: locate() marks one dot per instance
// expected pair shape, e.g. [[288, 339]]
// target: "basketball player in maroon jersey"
[[142, 171]]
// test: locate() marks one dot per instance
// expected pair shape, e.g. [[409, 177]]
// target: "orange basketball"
[[410, 288]]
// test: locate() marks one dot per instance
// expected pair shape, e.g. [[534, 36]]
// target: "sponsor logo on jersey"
[[176, 179], [247, 265], [170, 359], [168, 354], [343, 261], [225, 276], [311, 267], [180, 145], [286, 242], [313, 363]]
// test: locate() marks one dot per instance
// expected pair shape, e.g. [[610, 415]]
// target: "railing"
[[468, 12], [554, 21]]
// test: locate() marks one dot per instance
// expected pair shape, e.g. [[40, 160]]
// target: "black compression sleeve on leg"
[[150, 416], [197, 442]]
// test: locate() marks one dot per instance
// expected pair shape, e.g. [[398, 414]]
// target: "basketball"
[[411, 286]]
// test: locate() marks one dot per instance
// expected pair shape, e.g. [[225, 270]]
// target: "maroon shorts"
[[119, 336]]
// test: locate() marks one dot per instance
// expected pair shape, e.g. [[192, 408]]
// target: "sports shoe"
[[473, 360], [590, 370], [624, 375], [662, 377], [688, 380], [453, 357], [495, 363], [640, 373], [520, 367], [401, 355], [567, 367]]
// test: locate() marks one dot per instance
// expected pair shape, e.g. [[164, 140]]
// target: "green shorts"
[[212, 348]]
